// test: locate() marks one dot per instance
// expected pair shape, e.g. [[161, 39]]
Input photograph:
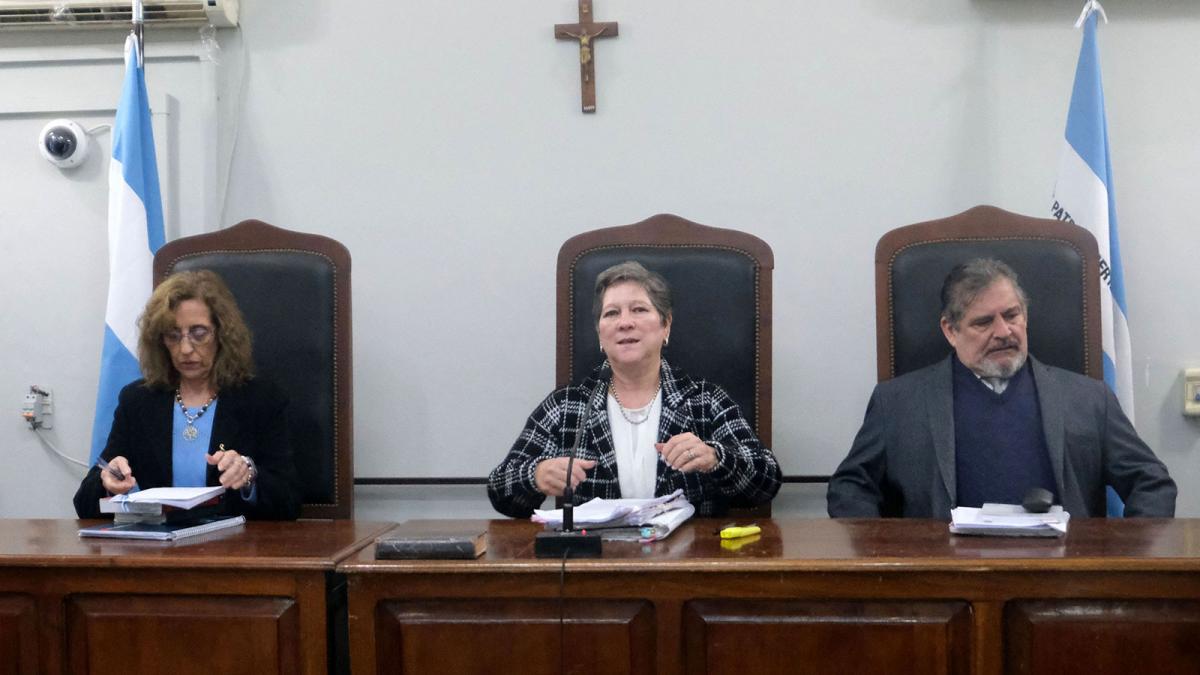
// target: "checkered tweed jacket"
[[746, 473]]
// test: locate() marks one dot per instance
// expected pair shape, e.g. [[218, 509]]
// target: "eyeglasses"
[[197, 335]]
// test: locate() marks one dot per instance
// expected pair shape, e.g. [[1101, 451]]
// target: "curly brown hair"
[[233, 363]]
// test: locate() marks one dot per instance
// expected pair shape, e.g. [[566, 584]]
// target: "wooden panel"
[[794, 636], [1102, 636], [181, 635], [515, 636], [18, 637]]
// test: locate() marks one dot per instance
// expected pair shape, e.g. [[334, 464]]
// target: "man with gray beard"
[[990, 422]]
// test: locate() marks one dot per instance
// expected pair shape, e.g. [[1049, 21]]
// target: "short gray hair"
[[652, 282], [966, 281]]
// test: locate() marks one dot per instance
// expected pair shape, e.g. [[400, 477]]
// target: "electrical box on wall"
[[38, 408], [1191, 392]]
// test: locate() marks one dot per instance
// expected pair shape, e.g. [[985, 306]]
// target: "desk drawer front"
[[609, 637], [765, 637]]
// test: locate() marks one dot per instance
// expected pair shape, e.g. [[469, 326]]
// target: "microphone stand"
[[571, 542]]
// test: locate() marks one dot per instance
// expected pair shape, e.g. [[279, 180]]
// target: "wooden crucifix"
[[585, 31]]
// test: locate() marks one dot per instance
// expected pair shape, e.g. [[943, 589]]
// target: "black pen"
[[105, 466]]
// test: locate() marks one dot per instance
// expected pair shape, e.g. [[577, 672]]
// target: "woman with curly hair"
[[198, 417]]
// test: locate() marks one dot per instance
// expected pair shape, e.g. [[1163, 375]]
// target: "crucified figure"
[[585, 45], [585, 32]]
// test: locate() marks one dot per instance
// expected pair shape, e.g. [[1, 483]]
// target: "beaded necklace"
[[190, 432]]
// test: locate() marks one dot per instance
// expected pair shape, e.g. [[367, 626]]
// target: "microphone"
[[569, 541], [569, 490], [1038, 500]]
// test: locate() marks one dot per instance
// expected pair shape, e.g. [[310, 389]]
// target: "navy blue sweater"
[[999, 445]]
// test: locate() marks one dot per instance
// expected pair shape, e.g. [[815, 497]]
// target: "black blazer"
[[250, 418]]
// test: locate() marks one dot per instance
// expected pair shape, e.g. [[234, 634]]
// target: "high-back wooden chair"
[[721, 287], [294, 291], [1056, 263]]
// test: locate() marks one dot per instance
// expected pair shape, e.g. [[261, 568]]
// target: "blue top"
[[189, 459]]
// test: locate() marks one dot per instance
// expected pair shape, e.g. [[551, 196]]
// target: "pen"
[[737, 532], [105, 466]]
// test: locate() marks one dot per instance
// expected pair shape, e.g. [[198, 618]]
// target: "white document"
[[663, 524], [1008, 520], [626, 519], [178, 497]]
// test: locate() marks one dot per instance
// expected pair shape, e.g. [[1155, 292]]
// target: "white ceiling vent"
[[27, 14]]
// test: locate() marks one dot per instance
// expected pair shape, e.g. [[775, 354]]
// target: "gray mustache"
[[1011, 342]]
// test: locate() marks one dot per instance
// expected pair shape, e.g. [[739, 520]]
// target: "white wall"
[[443, 144]]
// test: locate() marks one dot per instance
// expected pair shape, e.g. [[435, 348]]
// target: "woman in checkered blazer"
[[652, 429]]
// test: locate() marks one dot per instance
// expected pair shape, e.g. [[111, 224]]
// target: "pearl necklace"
[[190, 432], [612, 386]]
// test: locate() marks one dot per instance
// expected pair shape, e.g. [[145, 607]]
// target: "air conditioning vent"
[[32, 14]]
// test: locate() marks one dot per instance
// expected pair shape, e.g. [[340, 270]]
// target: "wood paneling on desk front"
[[246, 600], [806, 596]]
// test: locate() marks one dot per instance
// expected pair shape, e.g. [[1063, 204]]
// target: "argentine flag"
[[1084, 195], [135, 232]]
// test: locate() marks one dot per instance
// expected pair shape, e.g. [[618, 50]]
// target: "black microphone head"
[[1038, 500]]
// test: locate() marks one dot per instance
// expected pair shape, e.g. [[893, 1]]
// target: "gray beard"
[[992, 369]]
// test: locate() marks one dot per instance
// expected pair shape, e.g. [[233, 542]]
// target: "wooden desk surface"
[[261, 591], [303, 545], [837, 545], [805, 596]]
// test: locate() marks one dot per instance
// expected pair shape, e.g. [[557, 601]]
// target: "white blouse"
[[637, 460]]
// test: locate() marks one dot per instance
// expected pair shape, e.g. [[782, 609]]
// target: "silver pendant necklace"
[[190, 432], [625, 412]]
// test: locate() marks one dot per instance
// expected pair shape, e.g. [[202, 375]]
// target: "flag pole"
[[135, 233], [138, 33], [1089, 7]]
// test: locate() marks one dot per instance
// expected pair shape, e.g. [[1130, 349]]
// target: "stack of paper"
[[163, 505], [634, 519], [1008, 520], [177, 497]]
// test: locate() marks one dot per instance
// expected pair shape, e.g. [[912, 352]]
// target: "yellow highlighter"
[[738, 532]]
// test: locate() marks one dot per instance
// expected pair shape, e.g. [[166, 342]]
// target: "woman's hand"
[[110, 482], [550, 476], [687, 453], [236, 472]]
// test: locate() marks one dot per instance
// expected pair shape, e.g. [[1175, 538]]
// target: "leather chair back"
[[721, 287], [1056, 263], [294, 291]]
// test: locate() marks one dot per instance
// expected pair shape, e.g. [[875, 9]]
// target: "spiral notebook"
[[163, 531]]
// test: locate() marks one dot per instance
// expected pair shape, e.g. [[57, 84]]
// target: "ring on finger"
[[691, 454]]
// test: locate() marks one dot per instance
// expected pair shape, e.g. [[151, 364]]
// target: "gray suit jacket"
[[902, 461]]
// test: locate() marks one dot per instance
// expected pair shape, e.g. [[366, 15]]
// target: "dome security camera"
[[63, 143]]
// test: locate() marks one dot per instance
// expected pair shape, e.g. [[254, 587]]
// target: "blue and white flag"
[[135, 232], [1084, 195]]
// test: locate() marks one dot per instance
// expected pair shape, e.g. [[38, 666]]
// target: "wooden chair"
[[294, 290], [721, 286], [1057, 264]]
